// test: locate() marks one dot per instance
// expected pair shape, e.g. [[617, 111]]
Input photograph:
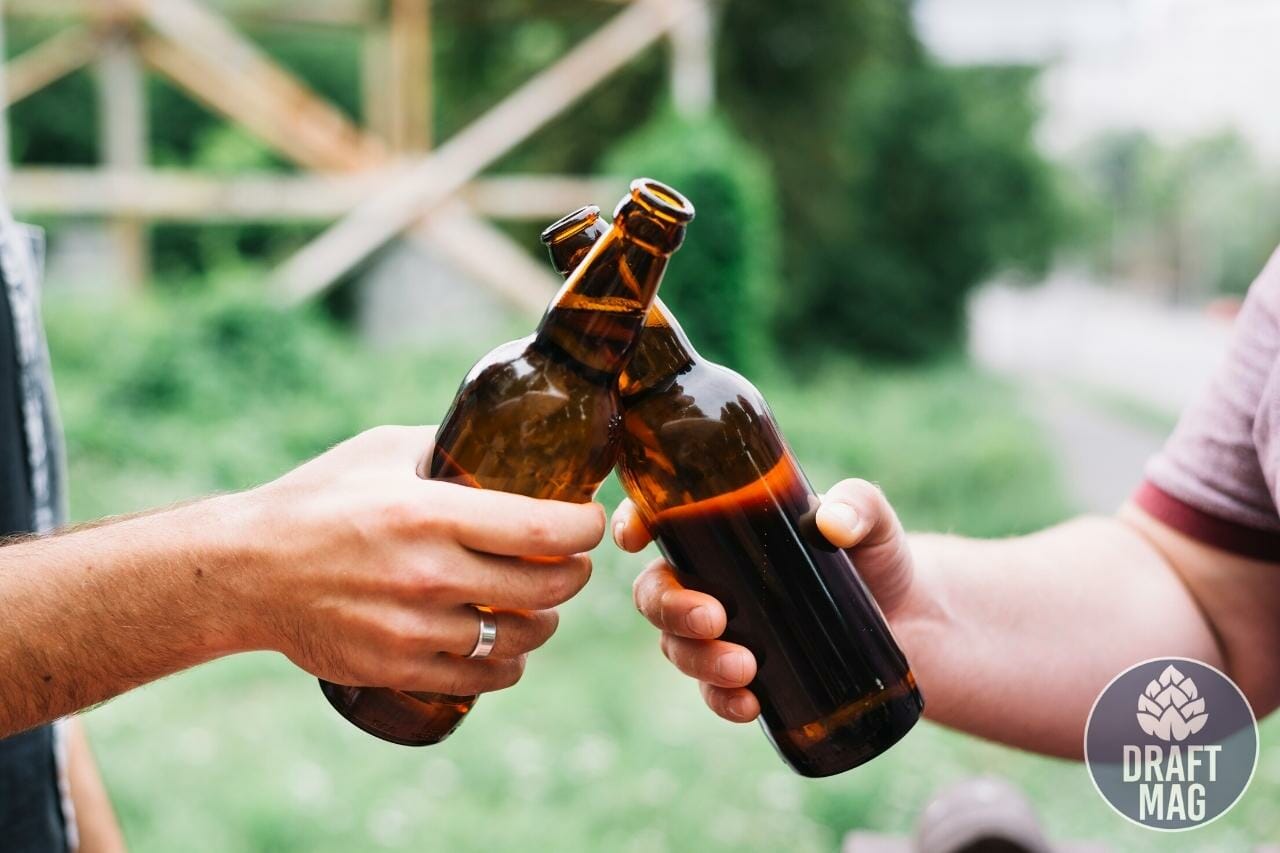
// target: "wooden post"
[[693, 61], [123, 144], [375, 73], [410, 76]]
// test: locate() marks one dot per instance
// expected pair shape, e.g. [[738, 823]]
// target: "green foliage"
[[211, 388], [941, 187], [723, 281], [901, 184]]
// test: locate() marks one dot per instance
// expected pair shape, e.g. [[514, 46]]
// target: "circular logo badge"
[[1171, 743]]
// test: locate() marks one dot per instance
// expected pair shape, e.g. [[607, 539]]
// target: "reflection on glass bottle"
[[728, 505], [539, 416]]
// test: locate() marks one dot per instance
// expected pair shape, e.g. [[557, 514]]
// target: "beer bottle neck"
[[664, 351], [597, 315]]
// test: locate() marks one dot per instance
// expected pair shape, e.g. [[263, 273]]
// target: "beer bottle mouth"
[[567, 226], [661, 200]]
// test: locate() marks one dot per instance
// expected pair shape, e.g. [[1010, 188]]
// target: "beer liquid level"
[[799, 606], [714, 480]]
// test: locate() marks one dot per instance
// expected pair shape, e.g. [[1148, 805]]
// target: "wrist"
[[921, 621], [226, 561]]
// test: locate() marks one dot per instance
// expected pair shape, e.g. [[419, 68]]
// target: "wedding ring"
[[487, 637]]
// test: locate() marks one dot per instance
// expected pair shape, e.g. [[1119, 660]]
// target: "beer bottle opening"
[[660, 199], [566, 226]]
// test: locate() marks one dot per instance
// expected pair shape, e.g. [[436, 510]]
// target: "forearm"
[[1013, 639], [92, 613]]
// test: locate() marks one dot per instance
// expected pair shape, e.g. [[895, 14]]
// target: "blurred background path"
[[1104, 371]]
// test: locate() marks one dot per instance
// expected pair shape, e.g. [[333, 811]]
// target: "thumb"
[[856, 512], [856, 515]]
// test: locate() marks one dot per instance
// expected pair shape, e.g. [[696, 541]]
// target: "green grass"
[[602, 746]]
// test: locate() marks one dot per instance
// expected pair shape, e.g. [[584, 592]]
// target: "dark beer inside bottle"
[[732, 512]]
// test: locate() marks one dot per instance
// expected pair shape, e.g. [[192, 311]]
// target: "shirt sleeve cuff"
[[1205, 528]]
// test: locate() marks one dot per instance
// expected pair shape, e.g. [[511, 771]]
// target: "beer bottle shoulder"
[[706, 432], [528, 422], [504, 354], [705, 389]]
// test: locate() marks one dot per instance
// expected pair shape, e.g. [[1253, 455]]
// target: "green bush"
[[940, 187], [723, 282]]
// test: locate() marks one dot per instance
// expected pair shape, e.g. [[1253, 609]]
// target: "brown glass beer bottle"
[[728, 505], [539, 416]]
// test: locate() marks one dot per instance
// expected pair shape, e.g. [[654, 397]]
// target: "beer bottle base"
[[850, 736], [401, 718]]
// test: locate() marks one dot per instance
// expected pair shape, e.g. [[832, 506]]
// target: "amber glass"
[[713, 478], [539, 416]]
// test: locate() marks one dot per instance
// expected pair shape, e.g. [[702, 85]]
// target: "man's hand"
[[352, 566], [854, 515], [368, 573]]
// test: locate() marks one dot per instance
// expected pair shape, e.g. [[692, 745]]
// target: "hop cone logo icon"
[[1171, 708]]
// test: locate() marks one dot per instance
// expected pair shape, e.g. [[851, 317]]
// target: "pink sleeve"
[[1215, 479]]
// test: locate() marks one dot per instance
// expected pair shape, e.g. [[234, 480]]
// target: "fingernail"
[[739, 707], [731, 668], [699, 621], [844, 515]]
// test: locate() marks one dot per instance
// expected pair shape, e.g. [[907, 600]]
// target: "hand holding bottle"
[[366, 573], [855, 515]]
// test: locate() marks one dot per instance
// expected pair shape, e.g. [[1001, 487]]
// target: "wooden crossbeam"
[[398, 204], [344, 13], [183, 196], [482, 251], [196, 49], [206, 56], [50, 61]]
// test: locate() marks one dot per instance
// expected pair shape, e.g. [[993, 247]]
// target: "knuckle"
[[640, 591], [423, 579], [666, 644], [458, 684], [406, 638], [400, 515], [563, 583], [510, 672], [539, 532], [496, 674], [400, 674], [594, 532], [534, 629]]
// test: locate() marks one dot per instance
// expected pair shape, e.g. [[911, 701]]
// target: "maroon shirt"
[[1217, 479]]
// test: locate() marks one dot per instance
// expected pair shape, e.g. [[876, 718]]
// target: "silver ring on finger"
[[487, 636]]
